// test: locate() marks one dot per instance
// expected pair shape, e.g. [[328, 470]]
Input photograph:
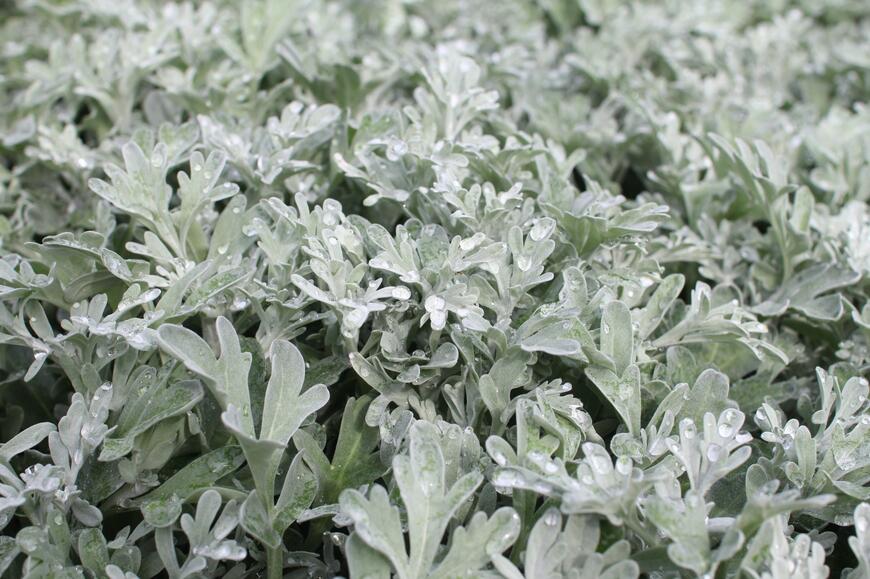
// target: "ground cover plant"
[[434, 289]]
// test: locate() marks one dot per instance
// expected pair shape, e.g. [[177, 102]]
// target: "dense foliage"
[[435, 289]]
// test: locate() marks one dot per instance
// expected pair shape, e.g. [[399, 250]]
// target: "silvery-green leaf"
[[162, 512], [256, 521], [659, 304], [473, 546], [8, 551], [429, 504], [623, 392], [355, 461], [148, 409], [684, 522], [285, 406], [807, 292], [200, 474], [215, 286], [228, 227], [227, 375], [617, 342], [860, 543], [261, 454], [93, 551], [364, 561], [297, 494], [26, 439], [377, 522], [495, 387], [709, 393]]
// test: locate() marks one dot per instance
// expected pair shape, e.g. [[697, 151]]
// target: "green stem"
[[524, 503], [779, 234], [275, 562], [647, 535]]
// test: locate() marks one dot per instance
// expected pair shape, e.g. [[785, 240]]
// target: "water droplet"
[[726, 430], [396, 150], [356, 317], [29, 543], [438, 319], [401, 293], [542, 488], [468, 244], [624, 465], [714, 451], [742, 438], [435, 303], [218, 466], [542, 229], [551, 519], [507, 478], [524, 263], [222, 250]]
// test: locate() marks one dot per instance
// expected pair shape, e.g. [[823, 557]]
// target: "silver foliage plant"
[[434, 289]]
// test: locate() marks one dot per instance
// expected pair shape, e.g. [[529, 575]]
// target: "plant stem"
[[275, 562], [646, 534], [524, 503], [780, 235]]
